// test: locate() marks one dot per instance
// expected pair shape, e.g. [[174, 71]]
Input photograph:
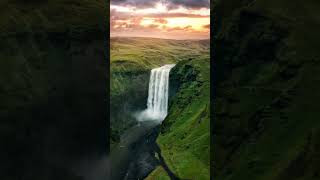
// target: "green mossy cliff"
[[266, 78], [184, 139], [53, 87]]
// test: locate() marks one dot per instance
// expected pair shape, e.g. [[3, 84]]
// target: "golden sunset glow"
[[195, 24], [159, 19]]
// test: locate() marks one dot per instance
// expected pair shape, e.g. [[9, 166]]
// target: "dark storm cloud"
[[191, 4], [171, 4], [124, 15], [134, 3], [171, 15]]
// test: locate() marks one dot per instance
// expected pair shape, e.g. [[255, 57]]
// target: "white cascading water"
[[157, 104]]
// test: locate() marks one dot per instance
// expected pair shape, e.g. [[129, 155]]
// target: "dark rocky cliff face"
[[265, 113], [53, 91], [126, 102], [180, 74]]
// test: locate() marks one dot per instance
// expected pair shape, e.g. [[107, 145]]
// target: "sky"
[[170, 19]]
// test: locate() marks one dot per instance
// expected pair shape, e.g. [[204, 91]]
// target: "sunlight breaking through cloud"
[[151, 19]]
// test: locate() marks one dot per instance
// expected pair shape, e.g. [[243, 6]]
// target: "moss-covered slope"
[[185, 133], [266, 102]]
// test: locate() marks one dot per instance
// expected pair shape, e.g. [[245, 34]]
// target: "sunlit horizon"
[[159, 20]]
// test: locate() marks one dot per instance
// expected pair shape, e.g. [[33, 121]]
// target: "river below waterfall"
[[134, 157]]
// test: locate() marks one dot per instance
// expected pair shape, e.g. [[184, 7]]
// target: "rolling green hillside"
[[139, 55], [266, 108]]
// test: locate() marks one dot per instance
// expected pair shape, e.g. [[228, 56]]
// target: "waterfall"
[[157, 104]]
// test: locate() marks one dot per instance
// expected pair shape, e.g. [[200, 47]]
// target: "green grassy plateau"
[[139, 55]]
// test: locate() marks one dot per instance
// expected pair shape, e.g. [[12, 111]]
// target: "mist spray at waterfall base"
[[157, 104]]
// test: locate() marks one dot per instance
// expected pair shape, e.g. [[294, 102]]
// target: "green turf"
[[158, 174]]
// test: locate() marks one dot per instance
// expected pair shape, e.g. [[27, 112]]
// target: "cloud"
[[158, 17], [190, 4], [207, 26], [161, 21], [171, 4], [168, 15], [152, 26], [124, 15], [177, 19], [187, 28], [135, 3]]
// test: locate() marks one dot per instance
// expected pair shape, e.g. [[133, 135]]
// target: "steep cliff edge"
[[53, 76], [185, 133], [265, 107]]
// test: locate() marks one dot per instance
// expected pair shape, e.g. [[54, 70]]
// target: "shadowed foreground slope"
[[266, 106], [53, 91]]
